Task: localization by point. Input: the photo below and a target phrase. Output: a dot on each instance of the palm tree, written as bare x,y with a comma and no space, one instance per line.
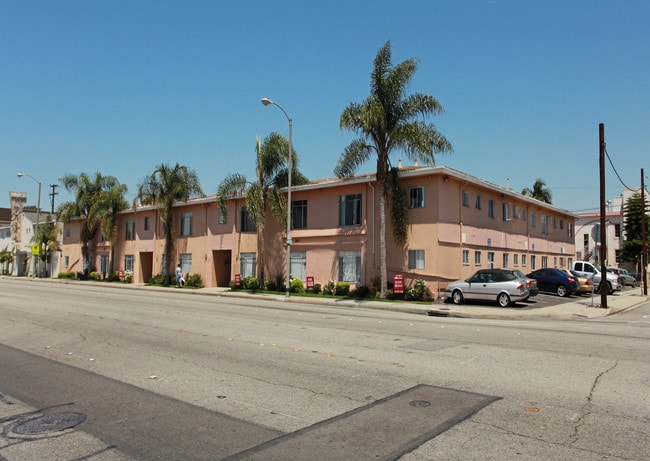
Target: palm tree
539,192
87,205
47,237
111,203
162,189
389,120
271,173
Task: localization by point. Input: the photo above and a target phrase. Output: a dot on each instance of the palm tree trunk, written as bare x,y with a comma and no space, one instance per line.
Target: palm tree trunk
260,253
382,239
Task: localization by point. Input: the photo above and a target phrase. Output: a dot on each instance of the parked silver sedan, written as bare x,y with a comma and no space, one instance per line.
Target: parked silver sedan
500,285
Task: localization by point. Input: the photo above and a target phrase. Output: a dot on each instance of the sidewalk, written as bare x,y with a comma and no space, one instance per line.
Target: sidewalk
577,308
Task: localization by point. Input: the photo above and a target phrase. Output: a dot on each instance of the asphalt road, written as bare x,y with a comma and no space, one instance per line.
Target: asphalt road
175,376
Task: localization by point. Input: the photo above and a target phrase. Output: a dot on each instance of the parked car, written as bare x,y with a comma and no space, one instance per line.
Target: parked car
532,283
587,269
555,281
624,276
585,285
500,285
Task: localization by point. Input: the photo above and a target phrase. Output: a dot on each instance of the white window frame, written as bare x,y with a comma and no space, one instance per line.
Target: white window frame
298,268
465,257
416,259
247,265
349,266
185,259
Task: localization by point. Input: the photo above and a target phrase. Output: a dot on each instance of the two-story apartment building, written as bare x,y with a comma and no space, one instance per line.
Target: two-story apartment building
457,224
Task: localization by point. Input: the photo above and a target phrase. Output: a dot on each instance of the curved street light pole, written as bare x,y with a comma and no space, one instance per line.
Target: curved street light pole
267,102
38,216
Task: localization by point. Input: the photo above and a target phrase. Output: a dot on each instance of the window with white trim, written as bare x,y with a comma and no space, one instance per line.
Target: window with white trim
349,266
247,263
416,259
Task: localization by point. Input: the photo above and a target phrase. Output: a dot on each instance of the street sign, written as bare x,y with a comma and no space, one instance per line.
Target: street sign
36,249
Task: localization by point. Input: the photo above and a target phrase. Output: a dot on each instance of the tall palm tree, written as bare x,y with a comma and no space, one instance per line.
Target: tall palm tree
111,203
271,173
388,120
87,205
165,186
539,192
47,236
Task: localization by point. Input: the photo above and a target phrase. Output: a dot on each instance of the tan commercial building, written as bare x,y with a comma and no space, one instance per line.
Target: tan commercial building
457,224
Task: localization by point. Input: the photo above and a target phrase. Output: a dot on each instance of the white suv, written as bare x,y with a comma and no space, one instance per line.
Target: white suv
593,272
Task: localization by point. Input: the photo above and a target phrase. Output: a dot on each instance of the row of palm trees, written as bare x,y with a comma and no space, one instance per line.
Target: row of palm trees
389,119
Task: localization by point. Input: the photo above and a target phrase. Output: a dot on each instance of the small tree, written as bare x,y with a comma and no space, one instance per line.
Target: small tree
632,247
539,192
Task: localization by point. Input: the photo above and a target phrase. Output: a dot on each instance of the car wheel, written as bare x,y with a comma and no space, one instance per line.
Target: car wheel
561,290
457,297
503,300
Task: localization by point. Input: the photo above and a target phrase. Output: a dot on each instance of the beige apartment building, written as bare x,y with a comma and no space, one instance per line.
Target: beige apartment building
457,224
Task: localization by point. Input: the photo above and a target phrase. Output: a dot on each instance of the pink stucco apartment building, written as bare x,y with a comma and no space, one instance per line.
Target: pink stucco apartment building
457,224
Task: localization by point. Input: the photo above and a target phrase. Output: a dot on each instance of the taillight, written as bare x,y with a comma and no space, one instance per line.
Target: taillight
520,287
571,279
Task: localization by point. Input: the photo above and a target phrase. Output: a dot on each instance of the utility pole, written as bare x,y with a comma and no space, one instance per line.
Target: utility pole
52,194
644,252
603,221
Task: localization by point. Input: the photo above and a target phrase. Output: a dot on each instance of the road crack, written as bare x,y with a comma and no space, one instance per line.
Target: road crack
580,420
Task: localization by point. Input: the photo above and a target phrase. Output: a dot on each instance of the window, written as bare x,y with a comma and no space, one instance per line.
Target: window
247,224
416,259
465,257
506,212
299,215
247,265
299,265
491,208
350,266
128,262
490,261
544,261
477,202
67,231
585,240
561,224
477,258
516,212
617,256
103,265
146,223
524,214
506,260
465,198
350,210
130,229
523,260
533,221
222,218
617,230
554,223
186,224
416,197
544,220
533,262
186,262
66,261
515,259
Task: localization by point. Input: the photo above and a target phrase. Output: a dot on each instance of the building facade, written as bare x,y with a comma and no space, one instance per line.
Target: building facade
457,224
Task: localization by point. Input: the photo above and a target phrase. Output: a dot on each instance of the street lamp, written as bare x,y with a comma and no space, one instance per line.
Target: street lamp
266,102
38,214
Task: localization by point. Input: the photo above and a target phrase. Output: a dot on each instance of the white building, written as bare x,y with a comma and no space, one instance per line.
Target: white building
587,235
17,236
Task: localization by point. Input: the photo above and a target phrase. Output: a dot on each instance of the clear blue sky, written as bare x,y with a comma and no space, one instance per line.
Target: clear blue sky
122,86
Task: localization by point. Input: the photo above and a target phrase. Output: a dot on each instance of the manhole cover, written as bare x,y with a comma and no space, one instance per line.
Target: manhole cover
49,423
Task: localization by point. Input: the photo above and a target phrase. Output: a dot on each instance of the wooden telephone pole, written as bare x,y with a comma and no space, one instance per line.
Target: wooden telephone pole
603,221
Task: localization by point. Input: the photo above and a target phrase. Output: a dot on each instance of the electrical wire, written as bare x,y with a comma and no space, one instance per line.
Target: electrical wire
616,172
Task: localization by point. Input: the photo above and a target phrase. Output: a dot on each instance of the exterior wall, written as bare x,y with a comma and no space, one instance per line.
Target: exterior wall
443,229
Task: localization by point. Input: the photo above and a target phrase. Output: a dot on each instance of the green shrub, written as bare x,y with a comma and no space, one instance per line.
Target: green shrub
361,292
342,289
194,280
251,283
328,289
67,275
157,280
297,286
317,288
418,292
233,285
271,286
